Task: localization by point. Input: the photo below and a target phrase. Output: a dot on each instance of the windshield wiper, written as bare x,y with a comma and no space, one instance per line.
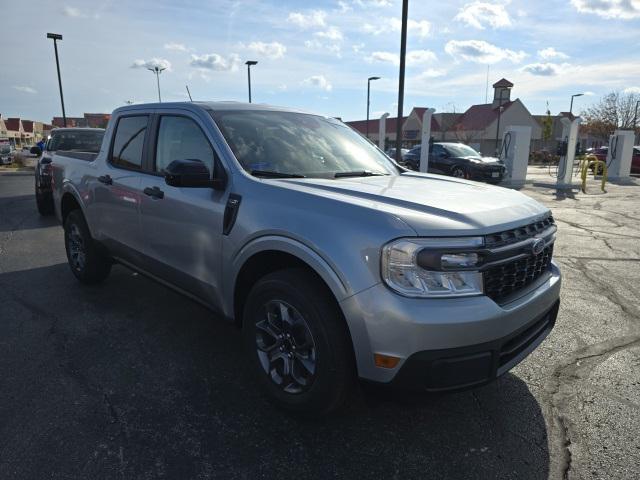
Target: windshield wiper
359,173
273,174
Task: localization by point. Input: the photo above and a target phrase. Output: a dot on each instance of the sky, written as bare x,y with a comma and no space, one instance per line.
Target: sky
315,55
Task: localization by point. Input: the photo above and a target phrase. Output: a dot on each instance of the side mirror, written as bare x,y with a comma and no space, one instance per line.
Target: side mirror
36,151
191,173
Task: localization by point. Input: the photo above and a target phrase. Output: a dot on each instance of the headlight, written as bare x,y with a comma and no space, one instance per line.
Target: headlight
425,267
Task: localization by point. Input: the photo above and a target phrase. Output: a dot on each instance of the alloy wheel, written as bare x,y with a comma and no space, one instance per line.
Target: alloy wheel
76,245
286,348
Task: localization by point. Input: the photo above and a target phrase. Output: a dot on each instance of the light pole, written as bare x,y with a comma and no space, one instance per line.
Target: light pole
500,110
55,37
403,55
368,94
248,63
157,71
635,117
572,97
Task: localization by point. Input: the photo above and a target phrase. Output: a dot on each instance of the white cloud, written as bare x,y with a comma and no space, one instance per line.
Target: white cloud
432,73
422,27
152,63
623,9
175,47
414,57
213,61
632,90
270,50
479,14
344,6
480,51
550,52
315,18
25,89
318,81
332,33
545,69
72,12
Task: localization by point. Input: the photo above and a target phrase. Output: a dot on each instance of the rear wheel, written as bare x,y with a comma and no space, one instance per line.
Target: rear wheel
458,172
87,262
297,343
44,202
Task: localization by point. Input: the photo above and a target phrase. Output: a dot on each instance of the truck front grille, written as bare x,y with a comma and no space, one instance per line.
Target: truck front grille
502,280
515,235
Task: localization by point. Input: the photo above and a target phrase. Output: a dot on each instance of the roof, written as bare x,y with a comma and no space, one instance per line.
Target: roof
479,117
435,126
27,125
12,124
361,125
503,83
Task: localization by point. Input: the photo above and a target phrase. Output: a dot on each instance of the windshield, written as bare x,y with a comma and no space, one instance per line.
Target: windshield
84,141
460,150
5,149
298,144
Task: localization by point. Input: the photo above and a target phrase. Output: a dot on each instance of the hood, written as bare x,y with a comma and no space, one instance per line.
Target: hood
430,204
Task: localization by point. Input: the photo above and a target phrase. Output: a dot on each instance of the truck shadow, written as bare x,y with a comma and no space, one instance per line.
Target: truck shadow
19,213
138,382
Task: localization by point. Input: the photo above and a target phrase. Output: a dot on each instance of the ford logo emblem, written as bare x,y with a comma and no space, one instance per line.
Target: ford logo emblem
538,246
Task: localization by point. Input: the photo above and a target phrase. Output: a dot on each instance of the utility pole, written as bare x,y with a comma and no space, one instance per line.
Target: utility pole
55,37
403,54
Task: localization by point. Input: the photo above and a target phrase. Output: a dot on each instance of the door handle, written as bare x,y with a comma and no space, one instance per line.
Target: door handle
154,192
106,179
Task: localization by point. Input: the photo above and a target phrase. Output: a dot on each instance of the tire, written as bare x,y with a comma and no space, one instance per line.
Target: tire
44,202
319,340
87,262
458,172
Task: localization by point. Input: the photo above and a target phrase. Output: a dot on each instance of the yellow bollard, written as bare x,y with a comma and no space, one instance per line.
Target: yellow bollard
590,161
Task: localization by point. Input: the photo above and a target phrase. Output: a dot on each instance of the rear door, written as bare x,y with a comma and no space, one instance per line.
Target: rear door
182,227
116,188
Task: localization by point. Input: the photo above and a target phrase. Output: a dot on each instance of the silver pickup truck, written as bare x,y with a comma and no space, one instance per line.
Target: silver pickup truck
335,262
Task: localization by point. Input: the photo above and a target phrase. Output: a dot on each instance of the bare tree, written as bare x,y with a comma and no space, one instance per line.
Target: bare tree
614,110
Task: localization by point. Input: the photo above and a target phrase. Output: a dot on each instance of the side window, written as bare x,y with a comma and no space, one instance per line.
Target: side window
128,142
438,151
180,138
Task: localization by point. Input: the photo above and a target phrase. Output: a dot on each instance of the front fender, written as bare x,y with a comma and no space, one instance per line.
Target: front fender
328,272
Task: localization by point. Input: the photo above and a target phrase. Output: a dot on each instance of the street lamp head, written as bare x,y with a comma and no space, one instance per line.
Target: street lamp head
373,78
578,95
54,36
251,62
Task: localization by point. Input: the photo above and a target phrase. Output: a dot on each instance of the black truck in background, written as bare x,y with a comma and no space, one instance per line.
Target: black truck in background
79,143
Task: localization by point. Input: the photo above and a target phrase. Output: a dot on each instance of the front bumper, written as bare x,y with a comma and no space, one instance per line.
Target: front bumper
487,173
447,344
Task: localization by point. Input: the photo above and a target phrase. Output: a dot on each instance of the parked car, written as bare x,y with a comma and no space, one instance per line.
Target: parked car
458,160
82,143
391,153
334,262
6,156
601,154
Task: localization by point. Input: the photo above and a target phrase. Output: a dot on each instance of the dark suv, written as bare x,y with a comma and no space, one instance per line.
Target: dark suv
458,160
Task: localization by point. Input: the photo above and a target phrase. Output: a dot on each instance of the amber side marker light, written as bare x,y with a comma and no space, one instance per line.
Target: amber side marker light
385,361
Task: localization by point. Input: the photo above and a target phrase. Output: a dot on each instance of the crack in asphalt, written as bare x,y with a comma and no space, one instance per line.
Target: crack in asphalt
558,389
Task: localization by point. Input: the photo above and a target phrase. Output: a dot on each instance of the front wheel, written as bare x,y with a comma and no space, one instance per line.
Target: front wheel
297,343
88,263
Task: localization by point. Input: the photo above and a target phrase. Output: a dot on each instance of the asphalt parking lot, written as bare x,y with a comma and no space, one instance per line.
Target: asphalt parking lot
131,380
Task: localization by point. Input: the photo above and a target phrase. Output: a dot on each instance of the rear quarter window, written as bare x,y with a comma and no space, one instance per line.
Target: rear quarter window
128,142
